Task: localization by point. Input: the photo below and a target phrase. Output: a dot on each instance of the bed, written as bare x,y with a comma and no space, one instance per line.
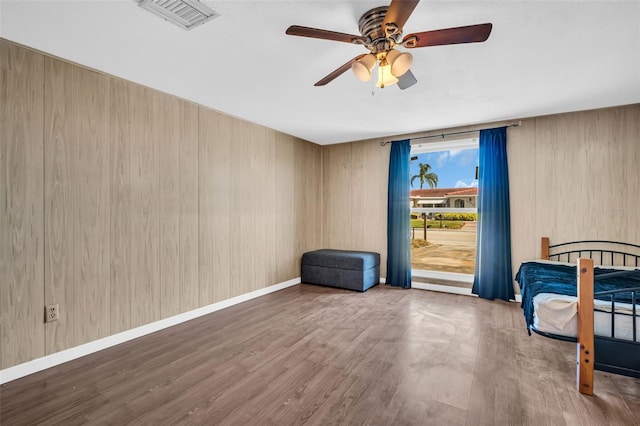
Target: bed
566,297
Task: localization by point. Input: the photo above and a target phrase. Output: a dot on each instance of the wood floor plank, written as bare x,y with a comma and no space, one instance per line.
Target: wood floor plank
311,355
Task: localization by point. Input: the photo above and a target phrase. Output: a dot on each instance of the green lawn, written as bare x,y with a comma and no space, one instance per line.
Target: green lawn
447,224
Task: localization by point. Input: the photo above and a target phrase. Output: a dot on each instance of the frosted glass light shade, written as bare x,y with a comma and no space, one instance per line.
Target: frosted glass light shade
385,78
400,62
363,66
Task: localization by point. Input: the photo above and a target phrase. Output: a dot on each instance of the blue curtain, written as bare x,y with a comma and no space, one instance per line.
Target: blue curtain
493,276
398,216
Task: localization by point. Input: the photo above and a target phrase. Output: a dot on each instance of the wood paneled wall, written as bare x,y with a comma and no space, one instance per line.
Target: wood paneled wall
575,176
125,205
572,176
22,334
355,197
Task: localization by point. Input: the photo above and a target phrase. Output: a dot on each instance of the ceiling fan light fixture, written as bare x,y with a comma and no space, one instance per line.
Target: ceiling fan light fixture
385,77
400,62
381,31
362,67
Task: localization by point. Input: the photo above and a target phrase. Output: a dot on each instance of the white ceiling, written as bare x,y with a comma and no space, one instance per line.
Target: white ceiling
543,57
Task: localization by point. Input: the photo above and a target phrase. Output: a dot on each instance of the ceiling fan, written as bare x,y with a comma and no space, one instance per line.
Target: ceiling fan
381,33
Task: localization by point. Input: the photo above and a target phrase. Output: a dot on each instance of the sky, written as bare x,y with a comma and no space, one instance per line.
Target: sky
455,168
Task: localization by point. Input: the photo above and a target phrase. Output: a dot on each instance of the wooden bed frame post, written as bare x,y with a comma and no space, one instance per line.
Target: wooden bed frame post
544,248
585,349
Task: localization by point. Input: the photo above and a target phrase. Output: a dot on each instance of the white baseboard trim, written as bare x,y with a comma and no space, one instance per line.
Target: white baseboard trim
39,364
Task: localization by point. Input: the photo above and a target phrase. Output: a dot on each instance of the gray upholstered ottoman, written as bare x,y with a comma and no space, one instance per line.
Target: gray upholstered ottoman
352,270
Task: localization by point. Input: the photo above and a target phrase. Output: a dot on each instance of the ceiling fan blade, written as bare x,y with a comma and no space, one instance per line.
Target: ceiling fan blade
406,80
468,34
297,30
398,12
338,72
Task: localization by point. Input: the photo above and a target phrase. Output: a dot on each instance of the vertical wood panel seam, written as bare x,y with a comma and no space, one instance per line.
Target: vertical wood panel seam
44,229
44,189
322,207
111,143
108,161
277,227
535,181
129,213
75,147
352,174
160,229
198,112
198,189
181,138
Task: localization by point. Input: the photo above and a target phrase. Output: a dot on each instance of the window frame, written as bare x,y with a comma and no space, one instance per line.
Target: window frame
426,147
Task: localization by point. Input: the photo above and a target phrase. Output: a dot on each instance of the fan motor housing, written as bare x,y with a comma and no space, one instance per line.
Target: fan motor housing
370,26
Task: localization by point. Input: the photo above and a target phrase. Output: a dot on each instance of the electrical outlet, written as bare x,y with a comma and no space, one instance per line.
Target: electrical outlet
51,313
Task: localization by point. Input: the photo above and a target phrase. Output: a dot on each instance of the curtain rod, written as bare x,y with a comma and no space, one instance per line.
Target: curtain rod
443,135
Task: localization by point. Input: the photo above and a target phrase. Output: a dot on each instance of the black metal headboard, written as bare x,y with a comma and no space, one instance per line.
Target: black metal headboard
601,251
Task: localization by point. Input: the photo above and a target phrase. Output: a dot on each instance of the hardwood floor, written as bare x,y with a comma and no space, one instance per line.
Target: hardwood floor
314,355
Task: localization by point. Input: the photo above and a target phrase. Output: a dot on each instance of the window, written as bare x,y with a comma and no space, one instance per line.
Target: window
444,198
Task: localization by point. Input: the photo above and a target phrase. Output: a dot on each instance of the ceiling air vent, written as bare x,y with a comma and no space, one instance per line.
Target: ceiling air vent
184,13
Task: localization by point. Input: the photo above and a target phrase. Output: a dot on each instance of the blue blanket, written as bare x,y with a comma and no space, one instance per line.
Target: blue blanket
536,277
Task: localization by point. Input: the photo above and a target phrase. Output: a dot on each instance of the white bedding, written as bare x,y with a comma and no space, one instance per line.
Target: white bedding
558,314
